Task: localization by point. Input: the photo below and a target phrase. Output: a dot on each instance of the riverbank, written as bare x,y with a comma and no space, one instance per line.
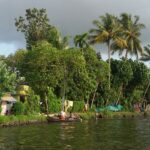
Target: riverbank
112,115
12,120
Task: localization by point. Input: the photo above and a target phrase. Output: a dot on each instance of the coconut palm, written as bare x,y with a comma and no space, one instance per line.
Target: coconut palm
131,33
146,54
81,40
146,57
107,31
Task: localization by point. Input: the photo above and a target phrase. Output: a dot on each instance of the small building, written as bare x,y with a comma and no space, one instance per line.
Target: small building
6,104
22,92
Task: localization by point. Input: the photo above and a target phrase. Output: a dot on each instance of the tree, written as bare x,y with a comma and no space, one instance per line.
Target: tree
75,76
139,80
7,79
2,57
131,31
81,40
146,57
65,71
36,27
97,71
121,75
41,68
146,54
14,60
140,74
107,31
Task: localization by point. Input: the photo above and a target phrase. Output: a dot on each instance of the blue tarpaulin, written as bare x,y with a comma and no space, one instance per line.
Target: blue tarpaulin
110,108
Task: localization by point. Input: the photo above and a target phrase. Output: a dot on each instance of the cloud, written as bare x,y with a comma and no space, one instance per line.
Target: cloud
70,16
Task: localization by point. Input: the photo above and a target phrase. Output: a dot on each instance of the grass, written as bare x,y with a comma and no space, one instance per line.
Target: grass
110,115
21,119
86,115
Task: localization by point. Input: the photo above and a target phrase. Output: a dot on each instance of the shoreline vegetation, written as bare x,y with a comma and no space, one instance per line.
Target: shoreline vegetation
50,71
12,120
20,120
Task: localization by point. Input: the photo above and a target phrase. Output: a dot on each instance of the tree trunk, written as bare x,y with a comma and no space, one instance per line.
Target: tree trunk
137,57
121,90
109,69
126,55
64,90
46,104
94,95
146,90
63,103
93,99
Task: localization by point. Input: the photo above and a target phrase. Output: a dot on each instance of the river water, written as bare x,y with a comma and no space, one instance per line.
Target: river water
124,134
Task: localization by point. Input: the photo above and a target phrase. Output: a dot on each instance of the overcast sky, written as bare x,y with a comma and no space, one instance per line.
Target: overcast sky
70,16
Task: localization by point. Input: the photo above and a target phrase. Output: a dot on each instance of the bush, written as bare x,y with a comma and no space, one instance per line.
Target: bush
136,96
18,108
93,109
32,103
87,115
54,104
107,114
78,106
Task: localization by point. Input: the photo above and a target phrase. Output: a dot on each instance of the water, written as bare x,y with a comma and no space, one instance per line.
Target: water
125,134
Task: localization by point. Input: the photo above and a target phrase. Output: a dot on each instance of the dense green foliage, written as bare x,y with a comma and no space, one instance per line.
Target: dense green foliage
56,72
18,108
30,106
36,27
32,103
131,31
54,104
78,106
8,79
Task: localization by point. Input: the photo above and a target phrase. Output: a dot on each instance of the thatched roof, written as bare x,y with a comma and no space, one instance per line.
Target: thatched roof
8,98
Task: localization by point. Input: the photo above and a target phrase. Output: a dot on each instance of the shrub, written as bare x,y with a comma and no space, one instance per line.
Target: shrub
18,108
93,109
136,96
107,114
54,104
78,106
87,115
32,103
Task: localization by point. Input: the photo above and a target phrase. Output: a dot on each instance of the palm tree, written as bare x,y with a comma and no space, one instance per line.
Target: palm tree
81,40
146,57
64,42
107,31
146,54
131,33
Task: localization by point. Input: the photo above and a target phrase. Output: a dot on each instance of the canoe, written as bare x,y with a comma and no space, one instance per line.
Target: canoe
57,119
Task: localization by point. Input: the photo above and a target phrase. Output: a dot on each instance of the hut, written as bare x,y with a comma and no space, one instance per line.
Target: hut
22,92
6,104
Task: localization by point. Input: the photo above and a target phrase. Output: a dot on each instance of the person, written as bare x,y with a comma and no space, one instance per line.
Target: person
62,115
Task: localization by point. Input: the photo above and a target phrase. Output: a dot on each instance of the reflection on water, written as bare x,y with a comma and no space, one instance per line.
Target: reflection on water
123,134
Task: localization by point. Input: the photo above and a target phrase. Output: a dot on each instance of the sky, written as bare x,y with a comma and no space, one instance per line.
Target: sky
71,17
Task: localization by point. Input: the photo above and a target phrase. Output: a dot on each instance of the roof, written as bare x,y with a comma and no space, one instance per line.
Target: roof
23,90
8,98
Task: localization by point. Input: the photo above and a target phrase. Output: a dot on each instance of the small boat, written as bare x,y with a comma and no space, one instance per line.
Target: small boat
68,119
